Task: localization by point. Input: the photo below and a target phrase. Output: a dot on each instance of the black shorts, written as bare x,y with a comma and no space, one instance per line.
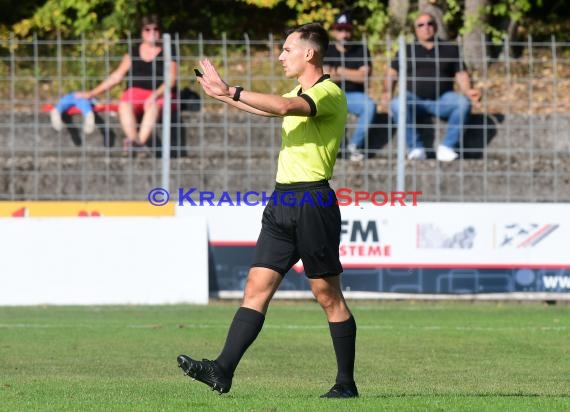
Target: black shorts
301,220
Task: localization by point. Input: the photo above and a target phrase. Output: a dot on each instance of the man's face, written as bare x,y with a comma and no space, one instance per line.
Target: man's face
342,34
425,27
293,57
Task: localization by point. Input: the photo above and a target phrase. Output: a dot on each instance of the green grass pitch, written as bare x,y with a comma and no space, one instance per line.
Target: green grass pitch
410,357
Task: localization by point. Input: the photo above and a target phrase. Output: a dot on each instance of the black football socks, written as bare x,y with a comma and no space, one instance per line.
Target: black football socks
343,335
243,331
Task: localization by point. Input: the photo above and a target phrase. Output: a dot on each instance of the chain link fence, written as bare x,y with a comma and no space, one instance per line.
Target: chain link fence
515,148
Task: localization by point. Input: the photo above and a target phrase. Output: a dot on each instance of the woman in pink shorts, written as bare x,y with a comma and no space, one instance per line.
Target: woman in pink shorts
143,97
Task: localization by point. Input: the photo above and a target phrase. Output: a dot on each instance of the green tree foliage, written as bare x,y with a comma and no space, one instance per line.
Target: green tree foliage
115,18
513,10
263,3
73,18
370,16
257,18
374,17
304,11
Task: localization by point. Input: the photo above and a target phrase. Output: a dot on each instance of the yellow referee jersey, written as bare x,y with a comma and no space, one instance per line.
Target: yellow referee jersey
309,145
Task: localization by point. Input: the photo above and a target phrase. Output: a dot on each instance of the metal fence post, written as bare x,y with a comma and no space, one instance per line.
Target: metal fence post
166,112
401,166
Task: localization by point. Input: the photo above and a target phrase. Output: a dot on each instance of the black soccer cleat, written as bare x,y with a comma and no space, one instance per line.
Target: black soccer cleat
342,390
205,371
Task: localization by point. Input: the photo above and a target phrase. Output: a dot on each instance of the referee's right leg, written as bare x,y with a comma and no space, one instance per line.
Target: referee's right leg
247,323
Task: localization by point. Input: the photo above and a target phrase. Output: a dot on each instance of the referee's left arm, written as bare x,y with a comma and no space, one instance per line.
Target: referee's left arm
275,104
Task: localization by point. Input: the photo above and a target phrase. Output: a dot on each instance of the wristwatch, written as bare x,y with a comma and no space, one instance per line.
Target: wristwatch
239,89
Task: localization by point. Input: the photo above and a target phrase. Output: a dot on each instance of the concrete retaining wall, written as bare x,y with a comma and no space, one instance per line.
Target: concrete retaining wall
507,158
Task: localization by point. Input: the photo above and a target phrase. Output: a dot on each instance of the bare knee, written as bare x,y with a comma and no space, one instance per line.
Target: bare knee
125,108
259,289
255,297
328,299
329,295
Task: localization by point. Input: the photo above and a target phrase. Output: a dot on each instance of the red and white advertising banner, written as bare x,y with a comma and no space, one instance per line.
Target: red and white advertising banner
481,235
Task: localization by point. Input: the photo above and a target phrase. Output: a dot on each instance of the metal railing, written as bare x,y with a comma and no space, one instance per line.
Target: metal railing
516,148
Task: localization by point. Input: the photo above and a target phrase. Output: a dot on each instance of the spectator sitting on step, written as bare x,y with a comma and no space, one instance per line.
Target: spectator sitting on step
432,67
350,66
144,65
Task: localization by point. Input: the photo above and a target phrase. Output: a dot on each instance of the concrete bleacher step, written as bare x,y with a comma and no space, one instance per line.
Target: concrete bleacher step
517,158
492,179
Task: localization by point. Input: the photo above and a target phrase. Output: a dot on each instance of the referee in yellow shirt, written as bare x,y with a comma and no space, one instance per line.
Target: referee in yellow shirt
302,219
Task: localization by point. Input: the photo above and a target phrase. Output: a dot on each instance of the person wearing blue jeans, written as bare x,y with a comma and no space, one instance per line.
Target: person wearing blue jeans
451,106
360,104
72,100
432,69
350,66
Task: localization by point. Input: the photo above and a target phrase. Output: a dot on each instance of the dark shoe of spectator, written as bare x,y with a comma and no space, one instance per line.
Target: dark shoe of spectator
129,145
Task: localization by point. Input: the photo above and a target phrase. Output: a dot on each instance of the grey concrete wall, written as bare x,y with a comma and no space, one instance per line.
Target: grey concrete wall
507,158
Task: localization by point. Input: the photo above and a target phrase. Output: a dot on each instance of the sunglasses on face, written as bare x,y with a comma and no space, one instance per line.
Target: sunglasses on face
429,23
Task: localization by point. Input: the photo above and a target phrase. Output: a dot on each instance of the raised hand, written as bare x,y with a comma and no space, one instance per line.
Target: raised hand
212,82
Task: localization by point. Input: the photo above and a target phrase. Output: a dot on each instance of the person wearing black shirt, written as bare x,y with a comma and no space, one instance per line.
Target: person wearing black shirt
432,69
350,66
143,97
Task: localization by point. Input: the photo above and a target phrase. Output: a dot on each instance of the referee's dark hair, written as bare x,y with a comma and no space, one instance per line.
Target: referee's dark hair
314,33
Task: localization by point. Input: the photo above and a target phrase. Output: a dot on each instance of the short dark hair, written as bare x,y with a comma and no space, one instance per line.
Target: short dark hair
315,33
150,19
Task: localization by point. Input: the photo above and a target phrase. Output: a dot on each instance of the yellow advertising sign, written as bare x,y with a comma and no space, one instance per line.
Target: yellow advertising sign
83,209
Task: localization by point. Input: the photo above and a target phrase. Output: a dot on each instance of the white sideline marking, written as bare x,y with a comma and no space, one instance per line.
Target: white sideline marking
299,327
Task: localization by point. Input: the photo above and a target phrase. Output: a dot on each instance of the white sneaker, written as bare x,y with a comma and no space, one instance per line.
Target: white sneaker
419,153
446,154
356,156
89,123
56,121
